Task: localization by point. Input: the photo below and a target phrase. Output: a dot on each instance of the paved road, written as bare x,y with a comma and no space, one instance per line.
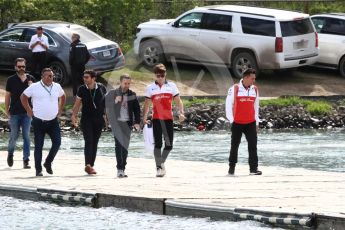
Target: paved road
307,81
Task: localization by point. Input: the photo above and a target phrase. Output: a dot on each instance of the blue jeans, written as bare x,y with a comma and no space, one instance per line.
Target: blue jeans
52,128
16,122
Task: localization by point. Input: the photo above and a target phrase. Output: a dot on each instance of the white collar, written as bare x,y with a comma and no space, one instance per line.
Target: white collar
96,87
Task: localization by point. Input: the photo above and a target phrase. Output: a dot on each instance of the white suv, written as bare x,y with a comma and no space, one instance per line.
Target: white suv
331,29
237,36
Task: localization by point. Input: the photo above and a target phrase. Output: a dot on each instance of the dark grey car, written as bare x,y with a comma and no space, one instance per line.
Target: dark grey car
106,55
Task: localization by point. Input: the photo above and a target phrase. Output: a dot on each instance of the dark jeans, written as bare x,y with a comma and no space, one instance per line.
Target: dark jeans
52,128
77,77
38,63
92,130
165,128
122,135
249,131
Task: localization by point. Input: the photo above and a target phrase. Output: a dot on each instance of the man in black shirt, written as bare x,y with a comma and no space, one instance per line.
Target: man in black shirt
92,96
15,86
78,57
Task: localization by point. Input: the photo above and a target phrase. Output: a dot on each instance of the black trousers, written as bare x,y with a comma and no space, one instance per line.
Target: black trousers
41,128
250,133
77,77
122,135
165,128
92,130
38,63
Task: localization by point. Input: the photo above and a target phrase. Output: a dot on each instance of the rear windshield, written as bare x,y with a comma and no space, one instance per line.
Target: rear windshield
296,27
85,34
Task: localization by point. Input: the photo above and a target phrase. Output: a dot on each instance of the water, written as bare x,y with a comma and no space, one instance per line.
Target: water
312,149
21,214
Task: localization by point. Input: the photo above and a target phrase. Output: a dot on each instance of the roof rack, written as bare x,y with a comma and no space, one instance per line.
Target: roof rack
241,12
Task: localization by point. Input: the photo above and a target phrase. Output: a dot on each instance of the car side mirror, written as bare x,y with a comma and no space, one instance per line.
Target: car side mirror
175,24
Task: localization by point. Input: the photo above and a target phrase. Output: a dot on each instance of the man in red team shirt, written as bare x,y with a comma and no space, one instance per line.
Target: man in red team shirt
242,110
161,93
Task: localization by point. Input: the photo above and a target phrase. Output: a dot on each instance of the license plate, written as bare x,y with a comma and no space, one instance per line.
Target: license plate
106,53
300,44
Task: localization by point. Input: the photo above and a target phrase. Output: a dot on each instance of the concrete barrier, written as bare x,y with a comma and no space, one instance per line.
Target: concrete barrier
178,208
68,197
141,204
25,193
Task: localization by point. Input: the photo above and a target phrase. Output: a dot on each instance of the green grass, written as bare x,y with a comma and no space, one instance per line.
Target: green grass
2,107
313,107
68,107
319,108
206,101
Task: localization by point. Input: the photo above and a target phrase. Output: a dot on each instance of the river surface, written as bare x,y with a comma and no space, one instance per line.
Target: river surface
311,149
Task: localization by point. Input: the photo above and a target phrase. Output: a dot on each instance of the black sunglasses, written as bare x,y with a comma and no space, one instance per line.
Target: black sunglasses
21,66
160,75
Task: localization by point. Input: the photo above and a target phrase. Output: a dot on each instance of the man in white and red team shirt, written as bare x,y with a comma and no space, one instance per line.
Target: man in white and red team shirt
161,93
242,110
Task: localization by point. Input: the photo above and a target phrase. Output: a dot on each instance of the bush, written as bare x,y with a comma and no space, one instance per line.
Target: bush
315,108
319,108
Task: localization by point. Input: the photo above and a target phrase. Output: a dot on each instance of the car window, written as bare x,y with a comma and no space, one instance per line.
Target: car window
319,23
258,26
192,20
217,22
85,34
28,33
333,26
14,35
296,27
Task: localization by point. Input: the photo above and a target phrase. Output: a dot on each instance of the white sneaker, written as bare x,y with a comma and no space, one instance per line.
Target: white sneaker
119,173
163,169
159,172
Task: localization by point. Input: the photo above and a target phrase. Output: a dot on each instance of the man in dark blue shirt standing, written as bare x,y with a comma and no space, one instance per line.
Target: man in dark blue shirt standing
78,57
15,86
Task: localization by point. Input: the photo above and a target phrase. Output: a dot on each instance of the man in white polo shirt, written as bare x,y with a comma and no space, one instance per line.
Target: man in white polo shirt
39,46
48,100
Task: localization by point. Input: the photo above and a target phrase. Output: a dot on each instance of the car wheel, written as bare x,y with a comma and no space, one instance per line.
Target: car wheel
151,53
241,62
342,67
60,73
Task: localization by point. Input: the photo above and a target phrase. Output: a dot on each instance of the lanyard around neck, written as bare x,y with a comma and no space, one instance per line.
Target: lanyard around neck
45,87
93,97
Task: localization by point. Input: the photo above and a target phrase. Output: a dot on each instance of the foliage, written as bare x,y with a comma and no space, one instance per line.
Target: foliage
204,101
313,107
319,108
284,101
117,19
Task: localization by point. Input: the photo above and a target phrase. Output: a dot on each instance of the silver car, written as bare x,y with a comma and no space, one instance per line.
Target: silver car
106,55
235,36
331,29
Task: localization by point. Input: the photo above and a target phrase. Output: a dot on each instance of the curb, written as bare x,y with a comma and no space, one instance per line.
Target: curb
177,208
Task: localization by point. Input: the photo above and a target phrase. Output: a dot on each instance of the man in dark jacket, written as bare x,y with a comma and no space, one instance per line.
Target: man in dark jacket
78,57
123,111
